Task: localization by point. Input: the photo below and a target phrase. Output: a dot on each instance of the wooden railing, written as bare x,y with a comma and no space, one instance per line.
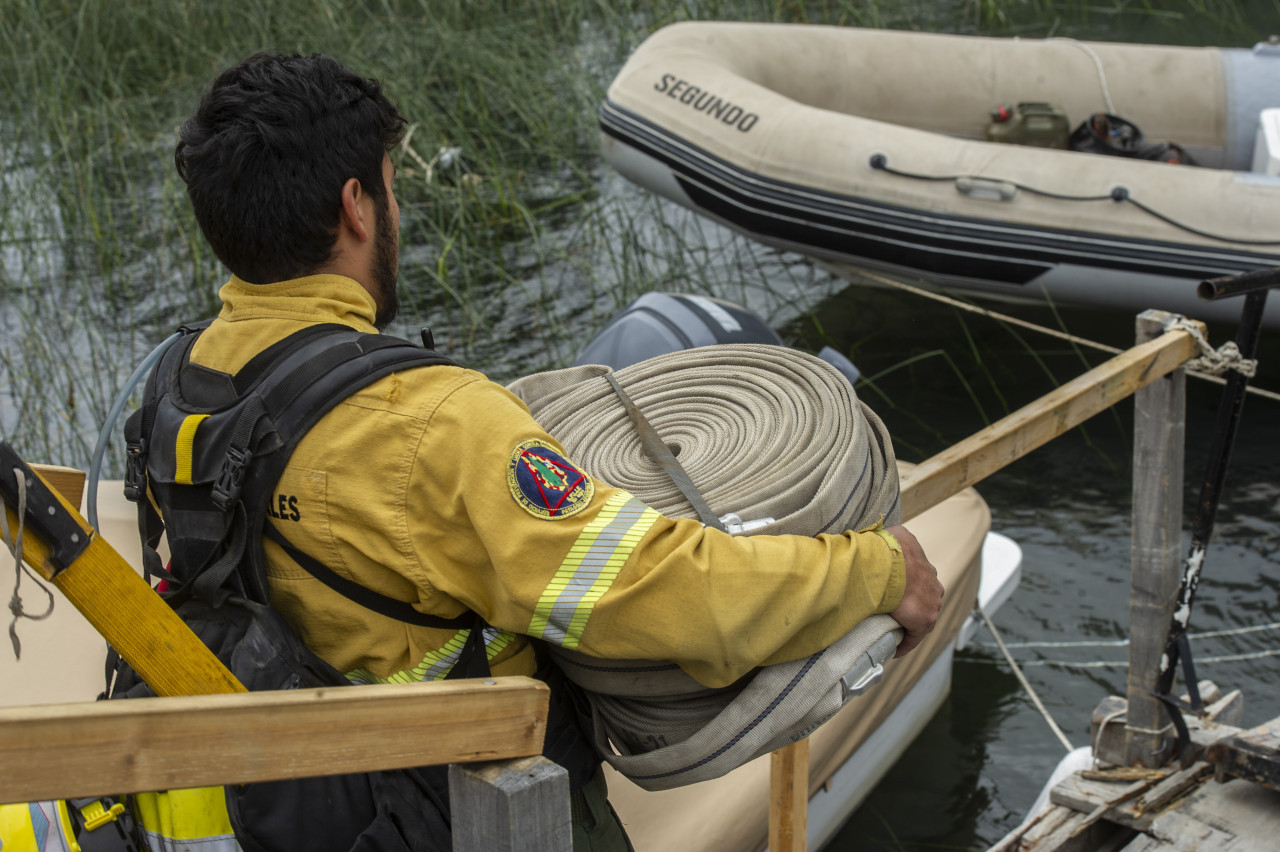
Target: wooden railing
1156,356
77,749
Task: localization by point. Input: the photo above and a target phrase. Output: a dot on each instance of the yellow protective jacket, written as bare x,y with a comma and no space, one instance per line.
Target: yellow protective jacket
410,487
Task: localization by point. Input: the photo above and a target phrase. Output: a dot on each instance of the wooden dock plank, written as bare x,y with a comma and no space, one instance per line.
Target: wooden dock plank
1247,813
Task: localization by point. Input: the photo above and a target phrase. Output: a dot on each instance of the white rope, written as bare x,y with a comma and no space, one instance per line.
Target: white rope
1026,684
1097,63
1107,720
1213,361
15,547
1112,664
1121,643
1051,332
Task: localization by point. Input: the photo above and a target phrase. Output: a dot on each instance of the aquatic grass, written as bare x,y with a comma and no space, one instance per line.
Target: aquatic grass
513,266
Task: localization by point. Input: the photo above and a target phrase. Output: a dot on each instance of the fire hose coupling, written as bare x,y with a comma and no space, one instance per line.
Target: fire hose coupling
734,525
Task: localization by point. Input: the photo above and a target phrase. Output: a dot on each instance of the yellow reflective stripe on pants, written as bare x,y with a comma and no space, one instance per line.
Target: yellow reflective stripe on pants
589,569
193,820
436,665
33,827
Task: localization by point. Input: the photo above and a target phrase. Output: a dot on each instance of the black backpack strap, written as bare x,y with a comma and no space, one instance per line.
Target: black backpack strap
367,598
137,434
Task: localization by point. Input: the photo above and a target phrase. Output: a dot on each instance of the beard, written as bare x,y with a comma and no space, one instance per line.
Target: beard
386,268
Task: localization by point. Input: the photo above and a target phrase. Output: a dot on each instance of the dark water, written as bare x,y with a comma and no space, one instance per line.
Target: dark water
979,764
982,760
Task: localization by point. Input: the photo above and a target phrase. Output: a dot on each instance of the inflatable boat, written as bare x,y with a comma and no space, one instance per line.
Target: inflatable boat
868,149
62,657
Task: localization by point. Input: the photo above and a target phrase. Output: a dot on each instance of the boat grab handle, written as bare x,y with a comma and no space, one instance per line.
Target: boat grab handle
986,189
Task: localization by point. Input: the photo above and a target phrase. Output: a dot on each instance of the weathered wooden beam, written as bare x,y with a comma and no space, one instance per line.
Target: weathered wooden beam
789,797
1136,805
510,806
67,481
1159,444
1059,829
96,748
1253,754
1011,438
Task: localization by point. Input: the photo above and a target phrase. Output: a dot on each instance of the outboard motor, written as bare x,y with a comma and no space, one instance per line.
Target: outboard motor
658,323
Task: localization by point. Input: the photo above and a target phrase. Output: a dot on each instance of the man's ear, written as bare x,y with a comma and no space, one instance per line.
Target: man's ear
354,205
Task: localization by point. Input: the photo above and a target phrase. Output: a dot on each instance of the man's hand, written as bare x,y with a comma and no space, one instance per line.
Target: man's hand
922,599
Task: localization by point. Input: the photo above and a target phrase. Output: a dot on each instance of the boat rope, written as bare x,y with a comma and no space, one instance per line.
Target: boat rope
1118,713
1113,664
1097,63
1118,194
14,543
1026,684
1121,643
1213,361
1051,332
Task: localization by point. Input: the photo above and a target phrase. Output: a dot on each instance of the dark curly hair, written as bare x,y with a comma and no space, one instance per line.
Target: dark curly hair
267,152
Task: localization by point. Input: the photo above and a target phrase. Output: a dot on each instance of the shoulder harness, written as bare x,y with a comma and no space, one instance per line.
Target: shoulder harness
210,447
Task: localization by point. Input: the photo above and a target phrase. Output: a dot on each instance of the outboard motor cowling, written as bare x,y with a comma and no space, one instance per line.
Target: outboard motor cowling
658,323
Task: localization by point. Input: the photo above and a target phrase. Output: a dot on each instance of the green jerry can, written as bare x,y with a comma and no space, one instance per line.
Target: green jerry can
1030,123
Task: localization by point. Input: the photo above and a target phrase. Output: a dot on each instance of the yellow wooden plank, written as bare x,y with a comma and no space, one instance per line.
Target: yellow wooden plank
789,797
1011,438
96,748
133,618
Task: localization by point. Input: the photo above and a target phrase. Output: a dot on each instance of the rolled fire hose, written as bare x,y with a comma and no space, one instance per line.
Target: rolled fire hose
727,413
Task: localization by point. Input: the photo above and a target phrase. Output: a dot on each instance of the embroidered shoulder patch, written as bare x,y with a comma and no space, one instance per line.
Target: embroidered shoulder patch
545,484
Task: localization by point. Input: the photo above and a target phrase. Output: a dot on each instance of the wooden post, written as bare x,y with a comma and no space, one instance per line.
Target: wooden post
789,798
510,805
1156,552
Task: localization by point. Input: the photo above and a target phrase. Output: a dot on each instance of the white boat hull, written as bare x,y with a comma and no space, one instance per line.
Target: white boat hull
864,147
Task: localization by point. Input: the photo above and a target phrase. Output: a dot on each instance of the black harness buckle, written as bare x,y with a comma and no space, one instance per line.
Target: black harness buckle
226,489
135,471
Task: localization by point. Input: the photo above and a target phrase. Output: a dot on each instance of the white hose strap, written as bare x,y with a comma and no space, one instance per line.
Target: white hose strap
764,432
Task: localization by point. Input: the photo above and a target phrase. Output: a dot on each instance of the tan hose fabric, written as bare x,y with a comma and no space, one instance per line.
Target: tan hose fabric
764,432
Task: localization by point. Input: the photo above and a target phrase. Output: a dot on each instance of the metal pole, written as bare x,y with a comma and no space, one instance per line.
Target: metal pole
1207,507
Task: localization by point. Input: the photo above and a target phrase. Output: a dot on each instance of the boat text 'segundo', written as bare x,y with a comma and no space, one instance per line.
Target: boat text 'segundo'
869,147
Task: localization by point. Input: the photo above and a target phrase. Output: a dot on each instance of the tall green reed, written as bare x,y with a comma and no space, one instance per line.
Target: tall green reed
513,263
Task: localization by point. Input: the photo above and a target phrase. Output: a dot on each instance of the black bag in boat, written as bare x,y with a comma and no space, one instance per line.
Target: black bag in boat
1104,133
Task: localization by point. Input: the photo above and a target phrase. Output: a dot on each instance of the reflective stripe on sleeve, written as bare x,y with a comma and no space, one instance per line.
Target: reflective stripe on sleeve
436,665
590,568
184,450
